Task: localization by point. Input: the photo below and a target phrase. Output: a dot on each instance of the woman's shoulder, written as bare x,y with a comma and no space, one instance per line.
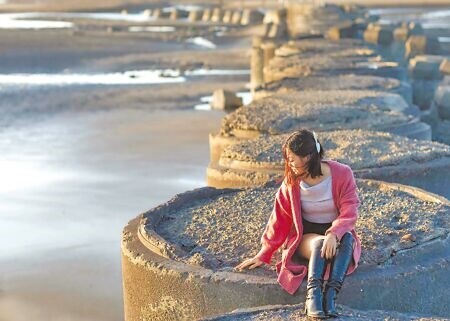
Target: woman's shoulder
339,168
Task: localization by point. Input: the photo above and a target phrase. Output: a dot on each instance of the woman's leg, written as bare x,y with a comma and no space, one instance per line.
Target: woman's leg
305,247
310,248
339,266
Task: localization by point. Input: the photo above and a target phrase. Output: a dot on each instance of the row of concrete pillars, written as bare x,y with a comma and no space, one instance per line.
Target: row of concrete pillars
216,15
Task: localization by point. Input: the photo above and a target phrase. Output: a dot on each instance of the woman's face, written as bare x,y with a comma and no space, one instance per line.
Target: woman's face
297,163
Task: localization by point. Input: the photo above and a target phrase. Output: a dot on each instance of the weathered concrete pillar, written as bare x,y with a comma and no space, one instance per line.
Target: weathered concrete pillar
257,67
442,100
402,32
206,17
426,75
236,17
251,17
217,15
269,48
371,154
174,14
225,100
445,67
147,13
275,16
157,13
194,15
345,29
377,34
257,41
161,14
277,31
421,45
228,14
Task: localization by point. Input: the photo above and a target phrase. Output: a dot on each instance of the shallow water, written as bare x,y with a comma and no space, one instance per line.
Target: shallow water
429,18
132,77
69,185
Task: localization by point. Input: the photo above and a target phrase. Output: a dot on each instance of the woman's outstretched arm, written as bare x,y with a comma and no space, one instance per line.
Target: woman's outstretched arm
276,230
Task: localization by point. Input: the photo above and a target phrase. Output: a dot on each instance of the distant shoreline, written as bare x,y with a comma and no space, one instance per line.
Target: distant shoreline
117,5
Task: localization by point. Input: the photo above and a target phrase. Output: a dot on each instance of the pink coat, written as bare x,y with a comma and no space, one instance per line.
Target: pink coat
285,225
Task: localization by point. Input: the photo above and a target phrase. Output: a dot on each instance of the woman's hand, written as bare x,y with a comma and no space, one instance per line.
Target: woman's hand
250,263
329,246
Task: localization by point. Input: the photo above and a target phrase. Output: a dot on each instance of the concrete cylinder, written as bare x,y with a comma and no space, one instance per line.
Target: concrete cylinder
269,51
169,275
296,66
236,17
445,67
217,15
251,17
228,14
257,68
442,100
345,29
337,82
157,13
225,100
147,12
275,16
174,14
426,67
257,41
277,31
422,45
195,15
207,13
379,35
371,154
426,76
321,110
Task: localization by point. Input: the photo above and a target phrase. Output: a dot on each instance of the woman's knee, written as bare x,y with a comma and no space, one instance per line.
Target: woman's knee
316,243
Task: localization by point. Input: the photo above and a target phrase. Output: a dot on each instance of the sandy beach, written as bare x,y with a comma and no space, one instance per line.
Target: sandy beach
80,159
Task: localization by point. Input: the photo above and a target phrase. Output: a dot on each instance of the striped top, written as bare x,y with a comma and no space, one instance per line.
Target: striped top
317,202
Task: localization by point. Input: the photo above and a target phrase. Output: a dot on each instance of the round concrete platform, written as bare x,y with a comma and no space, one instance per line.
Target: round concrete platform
178,257
296,313
377,155
299,66
321,111
337,82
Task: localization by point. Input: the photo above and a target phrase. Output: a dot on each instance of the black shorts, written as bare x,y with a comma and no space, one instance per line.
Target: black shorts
317,228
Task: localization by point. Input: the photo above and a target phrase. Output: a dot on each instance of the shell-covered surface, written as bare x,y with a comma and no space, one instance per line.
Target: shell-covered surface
337,82
221,231
320,110
337,63
344,47
360,149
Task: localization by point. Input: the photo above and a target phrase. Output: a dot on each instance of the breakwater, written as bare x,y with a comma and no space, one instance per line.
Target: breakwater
178,257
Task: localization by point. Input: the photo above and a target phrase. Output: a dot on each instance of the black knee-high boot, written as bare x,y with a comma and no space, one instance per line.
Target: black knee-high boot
339,266
316,271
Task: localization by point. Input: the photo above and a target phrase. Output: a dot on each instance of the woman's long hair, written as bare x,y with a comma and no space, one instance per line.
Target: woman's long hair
302,143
